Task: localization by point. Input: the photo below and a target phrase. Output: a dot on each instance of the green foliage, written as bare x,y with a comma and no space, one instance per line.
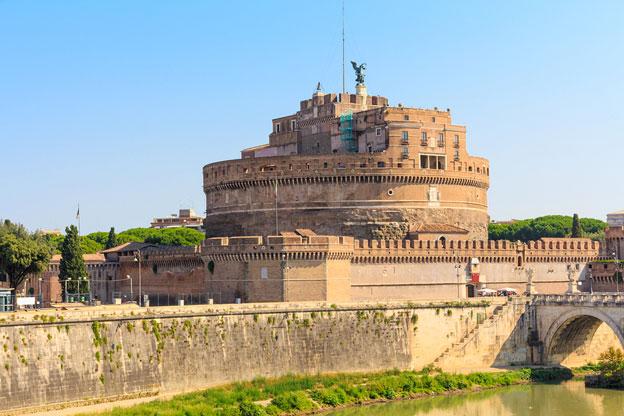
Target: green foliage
576,226
89,246
293,401
334,396
303,394
547,226
111,239
21,252
98,237
178,236
611,362
72,264
100,240
251,409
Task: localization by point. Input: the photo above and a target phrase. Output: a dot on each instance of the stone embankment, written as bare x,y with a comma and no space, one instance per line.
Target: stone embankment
109,353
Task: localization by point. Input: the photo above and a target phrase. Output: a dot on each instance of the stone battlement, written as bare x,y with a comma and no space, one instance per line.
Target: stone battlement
278,248
344,168
547,250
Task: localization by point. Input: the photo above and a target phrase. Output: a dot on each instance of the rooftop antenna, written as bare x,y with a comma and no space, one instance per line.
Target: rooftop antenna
343,47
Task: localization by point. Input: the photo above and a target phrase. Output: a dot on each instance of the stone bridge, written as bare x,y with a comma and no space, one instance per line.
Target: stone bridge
574,328
569,330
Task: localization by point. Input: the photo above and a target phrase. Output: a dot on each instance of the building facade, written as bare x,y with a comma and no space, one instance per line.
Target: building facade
185,218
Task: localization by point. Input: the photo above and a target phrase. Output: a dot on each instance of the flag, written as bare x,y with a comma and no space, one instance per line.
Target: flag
78,212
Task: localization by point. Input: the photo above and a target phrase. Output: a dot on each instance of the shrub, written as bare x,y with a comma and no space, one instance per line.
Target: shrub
330,396
251,409
611,362
293,401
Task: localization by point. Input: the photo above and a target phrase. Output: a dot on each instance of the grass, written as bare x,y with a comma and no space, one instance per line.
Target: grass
291,395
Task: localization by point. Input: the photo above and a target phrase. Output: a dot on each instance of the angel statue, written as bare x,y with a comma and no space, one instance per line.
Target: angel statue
360,71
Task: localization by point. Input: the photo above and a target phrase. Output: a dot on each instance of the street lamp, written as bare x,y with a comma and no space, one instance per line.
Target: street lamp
66,289
88,282
137,258
130,278
40,294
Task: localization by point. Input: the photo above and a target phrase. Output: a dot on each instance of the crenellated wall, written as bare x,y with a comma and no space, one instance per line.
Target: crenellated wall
371,270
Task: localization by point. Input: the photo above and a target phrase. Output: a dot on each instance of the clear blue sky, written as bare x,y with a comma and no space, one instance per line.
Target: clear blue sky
118,104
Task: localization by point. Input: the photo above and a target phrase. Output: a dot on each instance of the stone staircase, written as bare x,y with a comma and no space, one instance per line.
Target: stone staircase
479,348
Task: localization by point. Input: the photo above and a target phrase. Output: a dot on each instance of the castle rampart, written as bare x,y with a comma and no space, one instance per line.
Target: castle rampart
368,270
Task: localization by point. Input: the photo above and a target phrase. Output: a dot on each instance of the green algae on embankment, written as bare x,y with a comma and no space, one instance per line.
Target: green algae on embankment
298,395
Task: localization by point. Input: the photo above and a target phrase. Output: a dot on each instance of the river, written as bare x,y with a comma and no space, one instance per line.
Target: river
569,398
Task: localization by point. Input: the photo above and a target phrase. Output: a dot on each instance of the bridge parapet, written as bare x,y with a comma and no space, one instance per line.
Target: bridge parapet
579,299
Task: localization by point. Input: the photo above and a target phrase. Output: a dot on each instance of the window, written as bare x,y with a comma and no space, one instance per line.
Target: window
406,117
441,140
433,194
423,139
433,119
378,131
405,152
456,140
264,273
324,165
405,136
433,162
293,125
381,164
276,127
456,155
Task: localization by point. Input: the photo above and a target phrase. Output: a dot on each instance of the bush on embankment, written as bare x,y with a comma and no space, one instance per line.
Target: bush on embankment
610,371
301,394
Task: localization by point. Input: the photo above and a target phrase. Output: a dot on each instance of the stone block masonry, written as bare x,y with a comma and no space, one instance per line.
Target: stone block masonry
108,354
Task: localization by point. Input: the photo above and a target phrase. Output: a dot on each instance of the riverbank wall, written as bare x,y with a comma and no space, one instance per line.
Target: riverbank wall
117,352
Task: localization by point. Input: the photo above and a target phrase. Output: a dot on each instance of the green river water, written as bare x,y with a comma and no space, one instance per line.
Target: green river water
569,398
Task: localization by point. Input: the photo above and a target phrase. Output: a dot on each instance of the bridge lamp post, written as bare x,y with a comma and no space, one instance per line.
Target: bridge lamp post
617,269
459,283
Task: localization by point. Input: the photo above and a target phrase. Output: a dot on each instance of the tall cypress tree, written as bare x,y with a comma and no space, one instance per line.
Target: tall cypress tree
112,239
576,226
72,264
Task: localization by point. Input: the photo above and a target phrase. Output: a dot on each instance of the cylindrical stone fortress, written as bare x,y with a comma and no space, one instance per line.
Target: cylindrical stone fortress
365,196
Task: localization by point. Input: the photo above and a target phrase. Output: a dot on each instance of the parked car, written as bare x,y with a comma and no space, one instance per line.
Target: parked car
507,291
486,292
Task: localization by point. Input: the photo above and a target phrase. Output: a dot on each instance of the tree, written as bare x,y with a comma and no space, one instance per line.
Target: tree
72,265
576,227
547,226
611,362
177,236
21,253
112,239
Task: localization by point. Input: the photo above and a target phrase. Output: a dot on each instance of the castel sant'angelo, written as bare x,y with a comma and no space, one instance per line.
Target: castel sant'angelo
354,199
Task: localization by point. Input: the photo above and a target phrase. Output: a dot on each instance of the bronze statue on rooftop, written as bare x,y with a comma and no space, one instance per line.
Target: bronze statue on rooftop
360,72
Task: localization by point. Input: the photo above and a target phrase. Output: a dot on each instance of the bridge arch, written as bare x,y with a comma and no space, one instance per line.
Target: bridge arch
571,334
